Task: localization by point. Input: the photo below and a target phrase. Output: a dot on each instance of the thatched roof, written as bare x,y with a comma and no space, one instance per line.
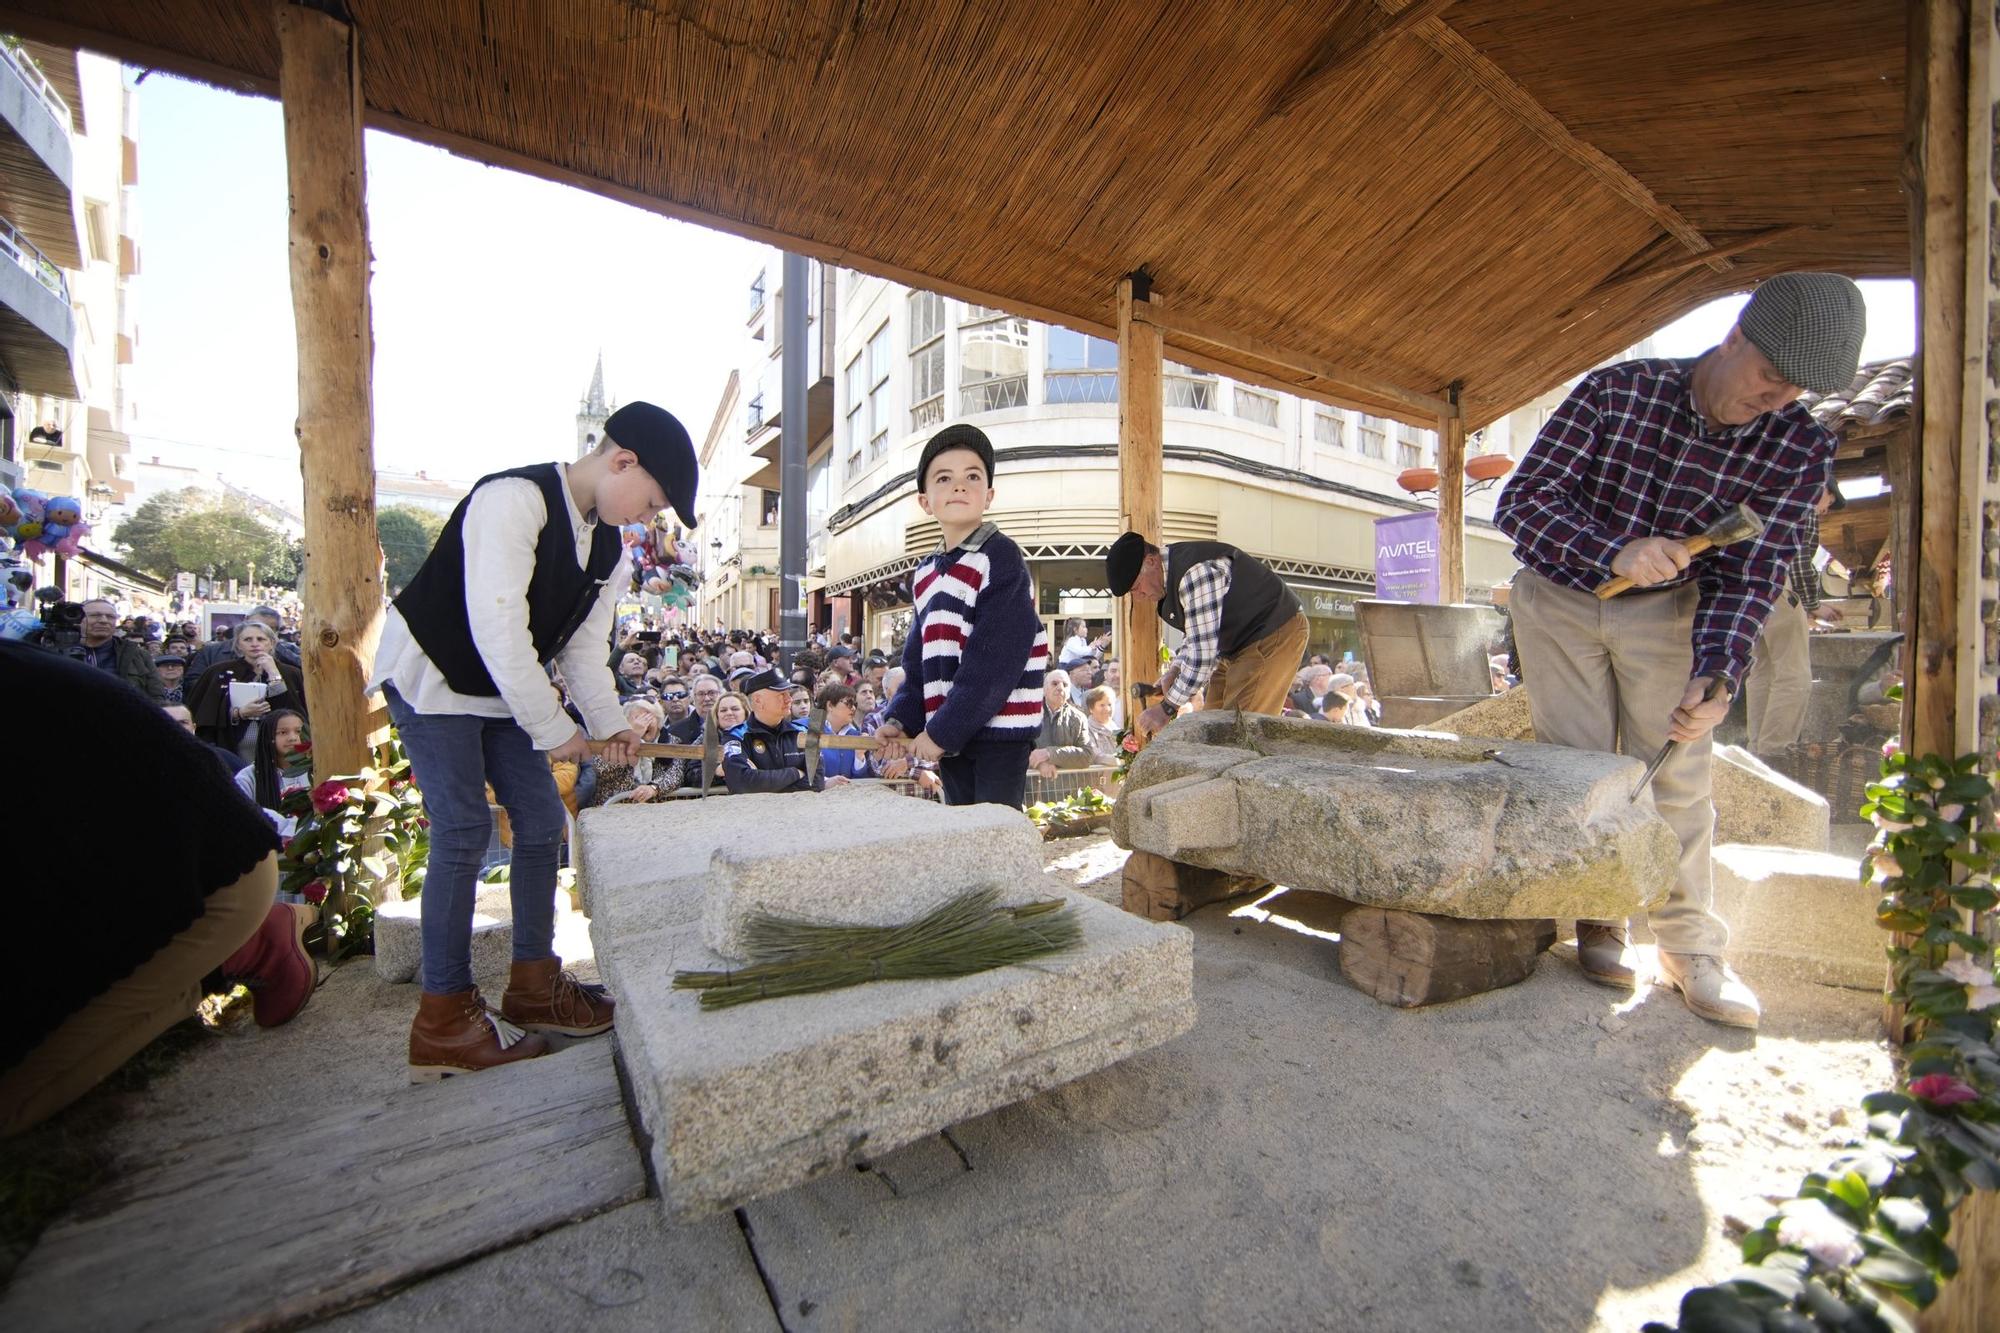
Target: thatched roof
1416,193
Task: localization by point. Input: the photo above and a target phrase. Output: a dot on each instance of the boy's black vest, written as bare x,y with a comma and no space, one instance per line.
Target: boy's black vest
559,594
1258,603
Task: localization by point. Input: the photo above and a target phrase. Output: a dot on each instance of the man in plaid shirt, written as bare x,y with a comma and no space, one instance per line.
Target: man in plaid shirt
1642,456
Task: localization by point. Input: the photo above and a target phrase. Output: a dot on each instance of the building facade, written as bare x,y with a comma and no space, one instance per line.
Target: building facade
69,261
420,490
1291,481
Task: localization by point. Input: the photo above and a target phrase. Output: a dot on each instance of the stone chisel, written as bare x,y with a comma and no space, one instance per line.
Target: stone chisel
1735,526
1646,778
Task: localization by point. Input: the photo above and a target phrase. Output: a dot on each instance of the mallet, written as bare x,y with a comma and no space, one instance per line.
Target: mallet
1737,525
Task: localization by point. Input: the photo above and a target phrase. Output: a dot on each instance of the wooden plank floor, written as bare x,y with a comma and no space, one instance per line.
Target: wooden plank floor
270,1227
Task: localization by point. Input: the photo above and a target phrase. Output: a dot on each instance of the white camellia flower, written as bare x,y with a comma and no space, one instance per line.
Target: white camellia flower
1886,824
1982,997
1811,1227
1968,973
1951,812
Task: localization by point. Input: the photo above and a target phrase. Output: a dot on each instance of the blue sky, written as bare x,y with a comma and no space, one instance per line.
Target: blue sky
493,293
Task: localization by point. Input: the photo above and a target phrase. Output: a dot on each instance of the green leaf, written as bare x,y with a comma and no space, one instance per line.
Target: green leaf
1877,1102
1718,1310
1853,1191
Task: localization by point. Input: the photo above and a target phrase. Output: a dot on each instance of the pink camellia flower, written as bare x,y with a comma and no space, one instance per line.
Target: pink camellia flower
1891,748
329,796
1130,745
1943,1090
1968,973
1951,812
314,892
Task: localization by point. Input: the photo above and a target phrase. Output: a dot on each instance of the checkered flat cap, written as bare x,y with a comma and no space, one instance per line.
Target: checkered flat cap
1810,325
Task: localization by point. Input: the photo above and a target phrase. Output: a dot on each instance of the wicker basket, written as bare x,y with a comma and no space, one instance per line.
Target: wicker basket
1838,770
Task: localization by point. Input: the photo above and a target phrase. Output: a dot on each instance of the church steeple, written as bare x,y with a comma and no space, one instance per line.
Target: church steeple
592,410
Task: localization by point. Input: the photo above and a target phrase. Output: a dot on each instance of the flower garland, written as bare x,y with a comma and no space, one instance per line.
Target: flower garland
1871,1231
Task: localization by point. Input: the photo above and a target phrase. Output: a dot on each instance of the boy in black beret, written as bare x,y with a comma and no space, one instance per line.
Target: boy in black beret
971,698
526,572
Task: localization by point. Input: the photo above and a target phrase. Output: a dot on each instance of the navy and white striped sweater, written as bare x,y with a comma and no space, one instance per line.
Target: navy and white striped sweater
973,663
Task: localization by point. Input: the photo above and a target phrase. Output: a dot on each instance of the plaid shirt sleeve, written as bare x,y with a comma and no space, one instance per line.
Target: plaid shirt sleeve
1202,590
1805,575
1536,509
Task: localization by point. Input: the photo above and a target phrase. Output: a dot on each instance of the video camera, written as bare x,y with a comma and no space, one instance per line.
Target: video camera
62,625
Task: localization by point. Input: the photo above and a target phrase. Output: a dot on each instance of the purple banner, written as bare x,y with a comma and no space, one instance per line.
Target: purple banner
1406,558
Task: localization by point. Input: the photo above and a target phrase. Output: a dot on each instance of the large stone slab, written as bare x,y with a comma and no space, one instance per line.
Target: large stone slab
1756,804
1502,716
399,935
1799,914
845,873
738,1103
1412,821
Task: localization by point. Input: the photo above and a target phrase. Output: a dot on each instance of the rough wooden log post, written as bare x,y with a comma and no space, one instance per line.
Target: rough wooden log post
1451,504
1141,461
1163,890
1412,958
320,87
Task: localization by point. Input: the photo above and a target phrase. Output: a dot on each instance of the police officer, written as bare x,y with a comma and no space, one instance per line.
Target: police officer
767,752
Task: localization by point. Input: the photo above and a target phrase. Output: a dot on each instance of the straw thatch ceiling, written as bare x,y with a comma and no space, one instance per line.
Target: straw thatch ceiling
1416,193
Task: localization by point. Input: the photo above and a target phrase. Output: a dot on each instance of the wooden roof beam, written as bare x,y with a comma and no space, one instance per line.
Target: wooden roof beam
1348,47
1334,382
1511,97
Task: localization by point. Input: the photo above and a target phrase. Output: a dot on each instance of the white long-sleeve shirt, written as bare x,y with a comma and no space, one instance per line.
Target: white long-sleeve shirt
503,521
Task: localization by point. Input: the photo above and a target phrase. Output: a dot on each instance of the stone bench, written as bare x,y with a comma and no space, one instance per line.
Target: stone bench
1799,914
399,935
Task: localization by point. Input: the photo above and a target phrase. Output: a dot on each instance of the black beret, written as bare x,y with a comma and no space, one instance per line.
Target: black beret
1122,562
664,450
959,436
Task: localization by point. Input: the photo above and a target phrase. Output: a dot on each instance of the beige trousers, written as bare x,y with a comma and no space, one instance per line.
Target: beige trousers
1607,675
1779,685
1258,678
161,991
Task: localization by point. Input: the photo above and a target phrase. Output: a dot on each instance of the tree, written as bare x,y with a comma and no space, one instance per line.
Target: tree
407,534
195,531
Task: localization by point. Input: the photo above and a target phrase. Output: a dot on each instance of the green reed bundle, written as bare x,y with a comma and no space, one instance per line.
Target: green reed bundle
971,933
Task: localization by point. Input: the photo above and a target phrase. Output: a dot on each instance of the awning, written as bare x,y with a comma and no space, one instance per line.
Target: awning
120,571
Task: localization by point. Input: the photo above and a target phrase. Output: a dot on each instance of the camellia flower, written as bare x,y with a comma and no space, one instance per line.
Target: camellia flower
1982,997
314,892
1886,865
1130,745
1812,1227
1891,748
1943,1090
1968,973
304,747
329,796
1951,812
1882,821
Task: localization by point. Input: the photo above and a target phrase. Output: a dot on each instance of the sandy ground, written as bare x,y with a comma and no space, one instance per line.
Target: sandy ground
1552,1156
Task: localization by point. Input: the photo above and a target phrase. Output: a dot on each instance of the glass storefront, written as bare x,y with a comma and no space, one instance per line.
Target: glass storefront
1330,624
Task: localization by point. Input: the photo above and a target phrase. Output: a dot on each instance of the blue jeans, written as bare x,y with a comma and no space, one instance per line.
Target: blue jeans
452,757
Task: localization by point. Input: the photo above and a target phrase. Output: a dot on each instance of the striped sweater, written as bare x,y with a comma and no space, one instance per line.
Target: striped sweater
973,662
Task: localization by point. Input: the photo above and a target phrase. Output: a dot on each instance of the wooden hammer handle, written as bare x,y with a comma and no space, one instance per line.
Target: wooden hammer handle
1695,546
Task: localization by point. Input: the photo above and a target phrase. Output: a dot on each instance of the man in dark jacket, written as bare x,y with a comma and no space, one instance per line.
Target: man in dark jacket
767,753
128,659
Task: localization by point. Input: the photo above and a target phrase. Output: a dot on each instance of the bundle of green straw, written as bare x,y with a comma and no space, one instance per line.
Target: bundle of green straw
971,933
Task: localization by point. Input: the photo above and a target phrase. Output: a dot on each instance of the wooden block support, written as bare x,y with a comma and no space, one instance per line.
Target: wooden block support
320,88
1163,890
1410,959
1451,506
1141,463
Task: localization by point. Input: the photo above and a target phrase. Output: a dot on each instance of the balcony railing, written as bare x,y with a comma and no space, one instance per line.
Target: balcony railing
15,246
38,83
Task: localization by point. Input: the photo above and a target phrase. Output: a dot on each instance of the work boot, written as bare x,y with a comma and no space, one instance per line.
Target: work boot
542,997
455,1033
274,964
1710,988
1605,954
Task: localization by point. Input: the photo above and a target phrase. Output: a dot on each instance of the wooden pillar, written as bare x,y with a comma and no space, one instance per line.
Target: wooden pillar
1950,704
1141,464
319,83
1451,504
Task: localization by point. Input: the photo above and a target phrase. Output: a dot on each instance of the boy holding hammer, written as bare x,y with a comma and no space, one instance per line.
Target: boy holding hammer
1642,456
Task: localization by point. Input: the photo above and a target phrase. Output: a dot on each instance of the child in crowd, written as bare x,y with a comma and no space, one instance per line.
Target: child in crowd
971,698
526,571
267,781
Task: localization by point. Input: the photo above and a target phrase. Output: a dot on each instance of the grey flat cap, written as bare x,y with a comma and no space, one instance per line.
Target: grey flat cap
1810,325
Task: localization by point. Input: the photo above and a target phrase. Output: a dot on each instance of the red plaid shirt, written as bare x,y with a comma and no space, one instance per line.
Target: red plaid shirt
1627,455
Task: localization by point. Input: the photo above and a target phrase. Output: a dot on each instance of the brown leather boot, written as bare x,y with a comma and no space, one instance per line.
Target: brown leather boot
274,964
455,1033
541,997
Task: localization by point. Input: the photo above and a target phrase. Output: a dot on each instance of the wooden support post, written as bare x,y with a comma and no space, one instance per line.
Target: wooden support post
1410,959
1141,463
1451,503
320,88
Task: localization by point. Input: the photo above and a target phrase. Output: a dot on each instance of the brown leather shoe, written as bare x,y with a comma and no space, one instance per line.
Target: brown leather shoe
455,1033
1605,954
541,997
